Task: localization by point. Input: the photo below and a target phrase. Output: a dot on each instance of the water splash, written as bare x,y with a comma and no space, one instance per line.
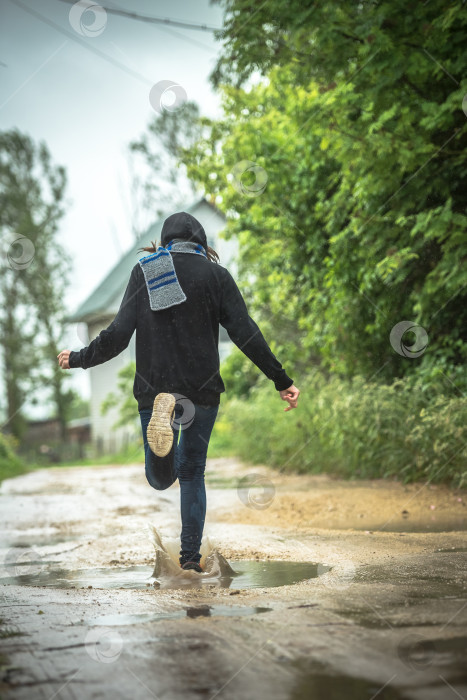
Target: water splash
167,567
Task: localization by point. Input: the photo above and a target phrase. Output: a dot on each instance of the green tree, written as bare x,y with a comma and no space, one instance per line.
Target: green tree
34,274
158,173
353,217
76,406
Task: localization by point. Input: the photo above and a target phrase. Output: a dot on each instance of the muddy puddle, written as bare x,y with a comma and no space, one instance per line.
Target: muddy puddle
30,569
247,574
256,574
218,571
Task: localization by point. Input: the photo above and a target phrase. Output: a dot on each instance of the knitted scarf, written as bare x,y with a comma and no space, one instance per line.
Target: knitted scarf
161,279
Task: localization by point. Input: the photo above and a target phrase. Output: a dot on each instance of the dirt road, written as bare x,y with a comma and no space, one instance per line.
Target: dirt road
381,612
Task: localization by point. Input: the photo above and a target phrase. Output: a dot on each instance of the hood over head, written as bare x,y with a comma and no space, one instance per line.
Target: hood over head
185,226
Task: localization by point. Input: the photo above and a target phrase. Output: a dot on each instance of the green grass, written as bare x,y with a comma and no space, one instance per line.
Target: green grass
10,469
352,429
221,443
10,464
130,454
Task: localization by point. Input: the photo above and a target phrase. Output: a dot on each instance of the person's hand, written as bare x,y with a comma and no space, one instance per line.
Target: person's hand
64,359
291,395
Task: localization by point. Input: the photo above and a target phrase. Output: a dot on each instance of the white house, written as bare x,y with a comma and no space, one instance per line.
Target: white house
99,309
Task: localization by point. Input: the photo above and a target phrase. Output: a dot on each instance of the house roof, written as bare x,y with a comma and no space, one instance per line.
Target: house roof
99,302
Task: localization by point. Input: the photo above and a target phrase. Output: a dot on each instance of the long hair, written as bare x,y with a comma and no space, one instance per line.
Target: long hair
211,253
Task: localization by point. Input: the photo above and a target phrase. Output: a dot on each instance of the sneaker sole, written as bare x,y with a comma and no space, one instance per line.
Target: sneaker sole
159,432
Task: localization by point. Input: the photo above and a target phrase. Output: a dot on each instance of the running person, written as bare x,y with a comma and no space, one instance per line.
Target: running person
175,302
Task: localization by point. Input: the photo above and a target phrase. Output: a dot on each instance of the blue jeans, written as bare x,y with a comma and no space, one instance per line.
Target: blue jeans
191,440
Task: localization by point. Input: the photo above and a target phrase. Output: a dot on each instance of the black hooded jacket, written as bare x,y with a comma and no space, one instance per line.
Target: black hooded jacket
177,348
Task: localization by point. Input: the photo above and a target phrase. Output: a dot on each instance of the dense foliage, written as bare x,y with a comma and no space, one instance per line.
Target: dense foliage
351,213
351,428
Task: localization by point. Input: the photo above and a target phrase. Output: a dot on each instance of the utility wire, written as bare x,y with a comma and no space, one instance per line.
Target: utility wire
93,49
74,37
154,20
164,23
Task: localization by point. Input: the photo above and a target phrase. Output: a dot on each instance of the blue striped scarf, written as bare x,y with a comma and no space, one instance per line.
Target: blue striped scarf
161,279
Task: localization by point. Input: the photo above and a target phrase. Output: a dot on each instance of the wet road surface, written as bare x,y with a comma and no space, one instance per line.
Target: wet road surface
322,604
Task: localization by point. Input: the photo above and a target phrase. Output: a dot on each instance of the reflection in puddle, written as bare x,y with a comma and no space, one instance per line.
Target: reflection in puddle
255,574
247,574
193,612
113,577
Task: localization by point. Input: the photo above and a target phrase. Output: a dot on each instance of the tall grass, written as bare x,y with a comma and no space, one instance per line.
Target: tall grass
351,428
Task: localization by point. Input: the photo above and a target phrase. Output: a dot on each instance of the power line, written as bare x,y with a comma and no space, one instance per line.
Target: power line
93,49
154,20
74,37
188,39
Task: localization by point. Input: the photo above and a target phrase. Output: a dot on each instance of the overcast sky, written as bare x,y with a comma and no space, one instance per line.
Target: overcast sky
58,86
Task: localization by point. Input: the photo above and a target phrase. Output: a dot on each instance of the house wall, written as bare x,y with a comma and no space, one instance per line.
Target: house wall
104,380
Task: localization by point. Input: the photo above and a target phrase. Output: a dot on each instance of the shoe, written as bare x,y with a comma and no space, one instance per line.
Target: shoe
159,432
192,565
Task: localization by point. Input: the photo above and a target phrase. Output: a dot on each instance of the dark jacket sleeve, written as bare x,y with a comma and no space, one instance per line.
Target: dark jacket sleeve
112,340
246,335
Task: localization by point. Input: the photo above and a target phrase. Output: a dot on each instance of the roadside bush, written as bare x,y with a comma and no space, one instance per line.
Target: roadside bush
354,429
10,464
